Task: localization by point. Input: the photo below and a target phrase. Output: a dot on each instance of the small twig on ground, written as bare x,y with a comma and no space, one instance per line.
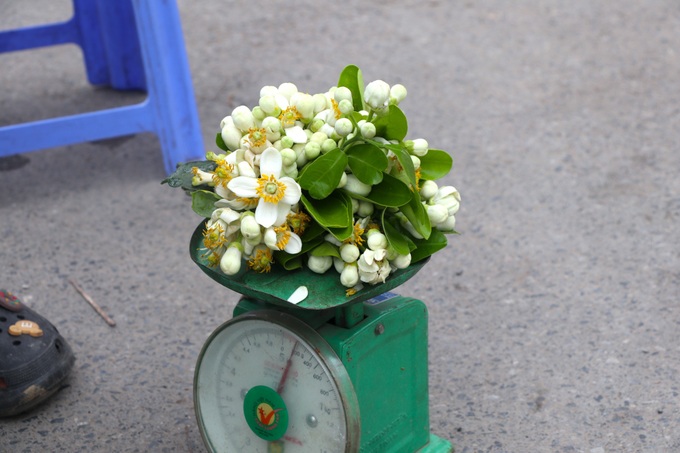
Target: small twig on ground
94,305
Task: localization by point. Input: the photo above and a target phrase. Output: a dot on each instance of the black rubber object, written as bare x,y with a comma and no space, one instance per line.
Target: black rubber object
32,368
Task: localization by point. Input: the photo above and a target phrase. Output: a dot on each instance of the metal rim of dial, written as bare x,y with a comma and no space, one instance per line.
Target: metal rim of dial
275,350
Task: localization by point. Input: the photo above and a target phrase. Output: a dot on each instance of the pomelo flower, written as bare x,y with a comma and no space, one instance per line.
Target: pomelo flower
276,194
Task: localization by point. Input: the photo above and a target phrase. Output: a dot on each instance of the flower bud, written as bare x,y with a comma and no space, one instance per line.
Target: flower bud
377,94
349,253
397,93
365,208
243,118
343,127
319,264
375,240
258,113
416,162
287,89
342,94
349,275
269,106
328,145
268,90
343,180
338,264
448,197
230,263
288,156
312,150
320,103
417,147
249,226
447,226
428,190
357,187
437,213
367,129
287,142
304,104
231,136
401,261
226,120
345,106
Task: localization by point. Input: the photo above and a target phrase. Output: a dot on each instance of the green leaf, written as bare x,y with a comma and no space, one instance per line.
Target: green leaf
399,242
290,262
427,247
416,213
220,142
335,211
351,78
322,176
183,174
203,202
406,171
342,234
390,193
435,164
325,249
392,126
367,162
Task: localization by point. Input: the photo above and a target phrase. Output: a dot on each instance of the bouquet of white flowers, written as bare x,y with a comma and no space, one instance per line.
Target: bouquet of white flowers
324,181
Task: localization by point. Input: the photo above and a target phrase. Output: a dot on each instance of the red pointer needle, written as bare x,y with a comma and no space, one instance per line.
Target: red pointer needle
284,377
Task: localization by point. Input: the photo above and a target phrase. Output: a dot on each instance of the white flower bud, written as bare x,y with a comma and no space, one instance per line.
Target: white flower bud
287,89
269,106
449,197
343,127
437,213
269,90
304,104
320,103
249,226
288,156
328,145
367,129
365,208
345,106
318,137
401,261
416,162
342,94
343,180
417,147
245,169
243,118
349,253
448,225
319,264
338,264
231,137
258,113
349,275
226,120
230,263
375,240
428,189
377,94
357,187
287,142
397,93
312,150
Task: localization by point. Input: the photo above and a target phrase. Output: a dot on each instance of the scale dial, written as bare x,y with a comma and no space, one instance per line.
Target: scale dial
267,382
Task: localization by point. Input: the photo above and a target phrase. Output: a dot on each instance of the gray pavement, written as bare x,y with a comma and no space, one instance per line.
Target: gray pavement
553,317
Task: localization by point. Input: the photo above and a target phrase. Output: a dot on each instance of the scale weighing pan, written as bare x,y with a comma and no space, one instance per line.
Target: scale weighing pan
276,286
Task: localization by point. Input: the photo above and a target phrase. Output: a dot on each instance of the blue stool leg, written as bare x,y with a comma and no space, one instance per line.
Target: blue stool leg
171,93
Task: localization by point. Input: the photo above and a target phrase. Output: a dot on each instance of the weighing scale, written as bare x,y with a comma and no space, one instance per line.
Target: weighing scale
333,373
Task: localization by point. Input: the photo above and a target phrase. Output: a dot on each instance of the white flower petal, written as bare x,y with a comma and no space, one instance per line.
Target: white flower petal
297,134
298,295
293,191
266,213
243,186
271,162
294,244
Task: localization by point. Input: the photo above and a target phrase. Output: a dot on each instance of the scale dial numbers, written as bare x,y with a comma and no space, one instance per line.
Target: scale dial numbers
266,382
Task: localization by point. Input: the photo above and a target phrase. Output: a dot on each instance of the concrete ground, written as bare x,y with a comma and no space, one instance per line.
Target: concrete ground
553,317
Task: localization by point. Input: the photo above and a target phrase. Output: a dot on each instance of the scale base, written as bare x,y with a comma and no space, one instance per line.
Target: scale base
437,445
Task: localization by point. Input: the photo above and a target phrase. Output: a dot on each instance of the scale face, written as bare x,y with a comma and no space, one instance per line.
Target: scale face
267,382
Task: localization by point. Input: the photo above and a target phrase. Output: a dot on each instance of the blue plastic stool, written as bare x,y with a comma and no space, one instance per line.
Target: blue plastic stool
127,45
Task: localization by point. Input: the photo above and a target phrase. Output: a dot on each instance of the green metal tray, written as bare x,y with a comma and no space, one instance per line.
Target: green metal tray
325,290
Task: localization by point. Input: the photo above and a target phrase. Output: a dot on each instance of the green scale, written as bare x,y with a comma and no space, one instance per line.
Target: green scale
332,373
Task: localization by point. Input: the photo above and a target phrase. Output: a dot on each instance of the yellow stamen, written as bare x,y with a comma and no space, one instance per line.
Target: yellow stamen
289,116
223,174
270,190
213,237
213,259
356,238
282,236
262,261
298,221
336,109
350,292
257,137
